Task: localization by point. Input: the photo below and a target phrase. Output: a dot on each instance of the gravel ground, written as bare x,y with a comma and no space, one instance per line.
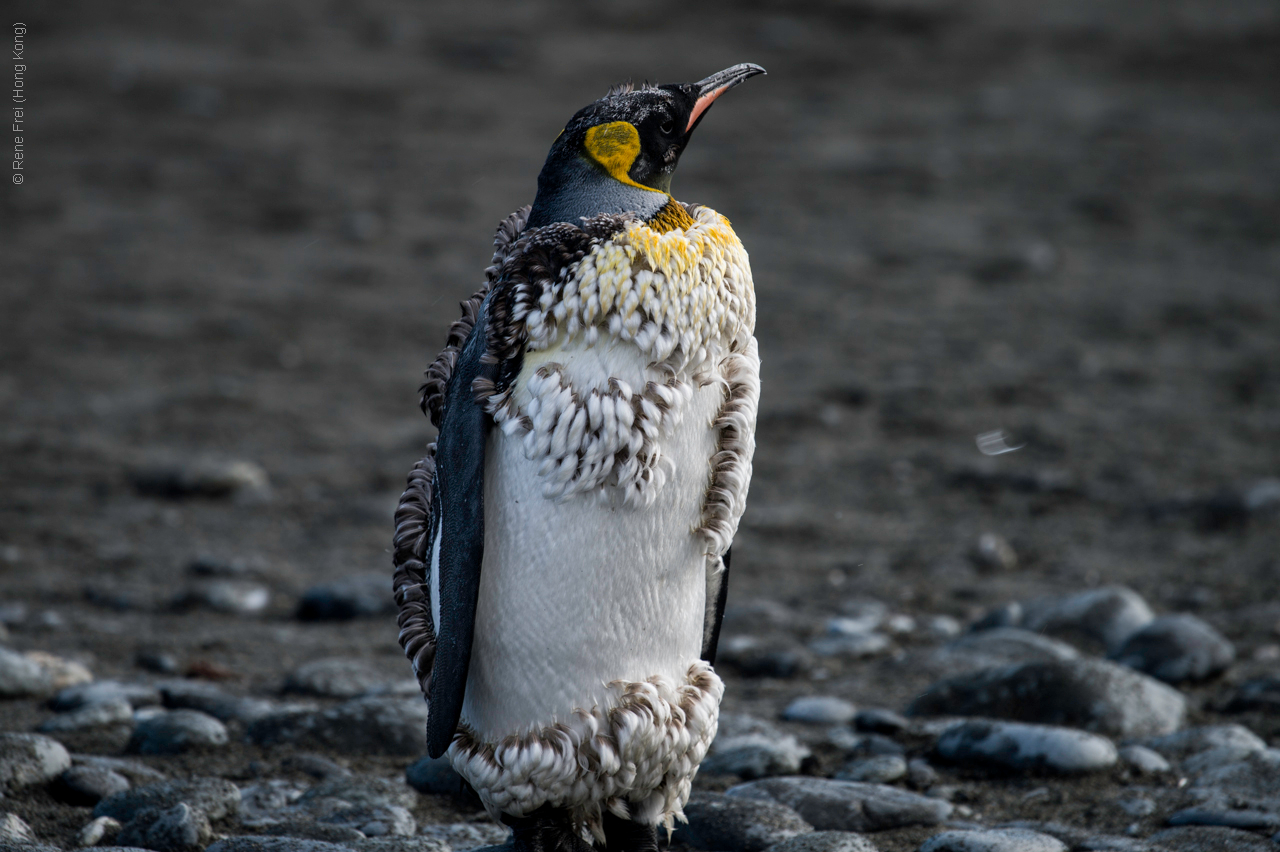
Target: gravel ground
244,229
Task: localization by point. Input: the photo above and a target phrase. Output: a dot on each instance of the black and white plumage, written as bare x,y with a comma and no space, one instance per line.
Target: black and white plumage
562,551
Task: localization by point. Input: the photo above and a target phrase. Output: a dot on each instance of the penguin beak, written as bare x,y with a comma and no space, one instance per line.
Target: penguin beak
706,91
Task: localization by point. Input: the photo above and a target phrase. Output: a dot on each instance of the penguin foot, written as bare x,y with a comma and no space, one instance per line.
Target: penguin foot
547,829
623,835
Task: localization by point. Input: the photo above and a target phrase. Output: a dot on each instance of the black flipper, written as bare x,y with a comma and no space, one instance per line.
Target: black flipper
460,494
711,630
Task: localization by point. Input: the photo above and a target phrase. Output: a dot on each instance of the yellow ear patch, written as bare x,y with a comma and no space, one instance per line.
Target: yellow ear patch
615,147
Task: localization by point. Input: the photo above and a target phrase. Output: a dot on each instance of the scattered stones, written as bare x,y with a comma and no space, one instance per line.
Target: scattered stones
117,712
1108,616
242,480
180,828
718,821
215,797
175,732
21,677
1144,759
88,785
1261,693
825,841
846,805
1204,839
876,720
14,830
467,835
1177,648
881,769
104,692
1021,746
214,700
820,709
434,775
336,677
371,725
350,597
27,759
993,840
1085,693
98,830
335,794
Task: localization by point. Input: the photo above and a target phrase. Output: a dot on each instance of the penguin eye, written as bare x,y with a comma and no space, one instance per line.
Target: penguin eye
667,127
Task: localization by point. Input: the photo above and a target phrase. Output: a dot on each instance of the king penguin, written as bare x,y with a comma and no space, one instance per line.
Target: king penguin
562,551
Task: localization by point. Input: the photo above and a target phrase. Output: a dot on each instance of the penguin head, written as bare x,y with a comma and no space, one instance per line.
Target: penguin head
617,155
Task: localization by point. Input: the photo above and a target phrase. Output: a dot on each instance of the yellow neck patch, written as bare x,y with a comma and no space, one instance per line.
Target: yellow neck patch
671,217
615,147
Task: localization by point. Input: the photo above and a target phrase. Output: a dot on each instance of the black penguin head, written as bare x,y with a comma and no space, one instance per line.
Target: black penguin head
618,154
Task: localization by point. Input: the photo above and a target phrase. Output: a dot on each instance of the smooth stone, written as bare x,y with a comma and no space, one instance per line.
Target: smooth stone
1208,839
104,692
237,597
755,755
180,828
370,725
877,720
251,843
176,732
215,797
1261,693
13,829
1095,695
1005,645
942,627
333,794
21,677
214,700
1256,777
1108,615
212,478
335,677
97,830
1177,648
376,821
920,774
135,771
363,595
867,745
720,822
62,672
434,775
826,841
1246,819
882,769
463,836
1115,843
1183,744
27,759
993,840
1136,806
854,646
1144,759
315,765
1203,761
156,661
88,785
776,657
846,805
820,709
118,712
1022,746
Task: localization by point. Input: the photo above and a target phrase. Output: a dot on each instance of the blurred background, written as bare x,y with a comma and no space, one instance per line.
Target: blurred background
245,228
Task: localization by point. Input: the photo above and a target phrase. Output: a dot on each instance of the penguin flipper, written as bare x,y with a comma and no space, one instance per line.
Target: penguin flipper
458,537
715,610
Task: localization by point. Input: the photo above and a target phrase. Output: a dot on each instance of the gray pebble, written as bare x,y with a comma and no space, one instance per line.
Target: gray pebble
214,700
21,677
826,841
333,794
97,830
820,709
1246,819
467,835
242,480
274,844
215,797
135,771
920,774
104,692
854,646
315,765
180,828
176,732
882,769
993,840
1115,843
27,759
846,805
88,785
237,597
755,755
1177,648
1256,778
1106,616
1183,744
1021,746
1262,693
376,821
118,712
998,647
1202,761
1136,806
14,830
1095,695
334,678
1207,839
775,657
434,775
350,597
1144,759
877,720
371,725
717,821
156,661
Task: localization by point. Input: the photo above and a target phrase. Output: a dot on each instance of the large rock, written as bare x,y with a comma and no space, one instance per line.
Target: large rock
1095,695
215,797
372,725
720,822
176,732
27,759
846,805
1106,616
1020,746
993,840
1177,648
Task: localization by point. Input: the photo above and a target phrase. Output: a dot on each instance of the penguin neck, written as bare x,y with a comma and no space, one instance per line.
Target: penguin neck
574,188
